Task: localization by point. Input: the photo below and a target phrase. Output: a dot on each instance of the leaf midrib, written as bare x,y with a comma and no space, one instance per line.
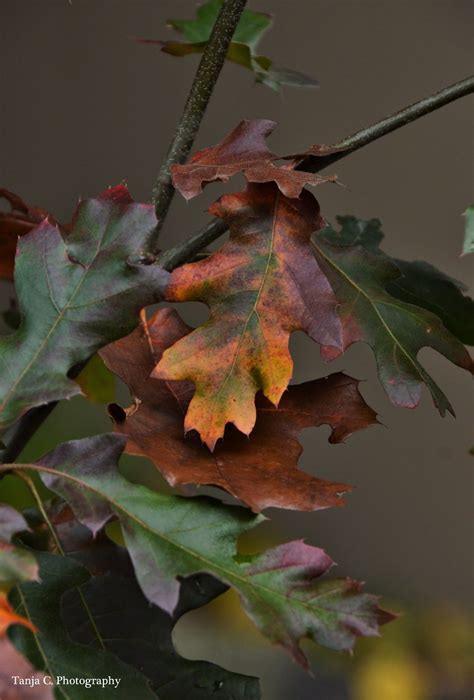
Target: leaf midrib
39,645
253,310
52,329
426,378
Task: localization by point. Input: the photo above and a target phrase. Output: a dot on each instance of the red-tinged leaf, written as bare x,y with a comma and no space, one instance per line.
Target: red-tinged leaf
110,622
243,151
170,538
14,223
76,294
262,472
360,275
9,617
261,285
348,612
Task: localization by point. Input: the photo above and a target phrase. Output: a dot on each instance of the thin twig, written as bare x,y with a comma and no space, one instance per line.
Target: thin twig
395,121
336,152
174,257
204,81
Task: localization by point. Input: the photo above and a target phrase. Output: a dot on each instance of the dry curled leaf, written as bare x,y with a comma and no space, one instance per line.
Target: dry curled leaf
243,151
261,285
262,472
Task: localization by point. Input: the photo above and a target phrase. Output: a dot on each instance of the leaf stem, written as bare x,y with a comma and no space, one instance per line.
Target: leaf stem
202,87
337,151
34,492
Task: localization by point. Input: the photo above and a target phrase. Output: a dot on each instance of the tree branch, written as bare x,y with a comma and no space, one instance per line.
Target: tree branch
180,253
204,81
329,154
409,114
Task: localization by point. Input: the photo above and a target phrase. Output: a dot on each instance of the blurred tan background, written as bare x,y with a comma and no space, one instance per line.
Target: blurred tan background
84,107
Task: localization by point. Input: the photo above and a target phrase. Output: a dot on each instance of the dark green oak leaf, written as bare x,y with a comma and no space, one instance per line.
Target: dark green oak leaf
138,632
17,564
169,537
52,651
75,296
242,50
372,290
423,285
419,283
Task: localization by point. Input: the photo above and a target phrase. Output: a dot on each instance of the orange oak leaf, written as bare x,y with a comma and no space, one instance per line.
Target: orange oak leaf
9,617
14,223
262,472
244,151
261,285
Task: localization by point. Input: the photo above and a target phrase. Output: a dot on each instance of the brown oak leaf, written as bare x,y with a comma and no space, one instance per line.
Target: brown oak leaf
243,151
262,472
263,284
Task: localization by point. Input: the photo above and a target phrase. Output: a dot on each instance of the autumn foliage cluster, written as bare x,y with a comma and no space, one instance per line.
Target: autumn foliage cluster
211,405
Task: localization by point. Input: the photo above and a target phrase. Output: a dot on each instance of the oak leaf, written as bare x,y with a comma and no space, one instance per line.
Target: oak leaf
14,223
418,283
75,295
170,538
261,285
362,276
261,472
243,47
243,151
50,648
13,664
152,652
